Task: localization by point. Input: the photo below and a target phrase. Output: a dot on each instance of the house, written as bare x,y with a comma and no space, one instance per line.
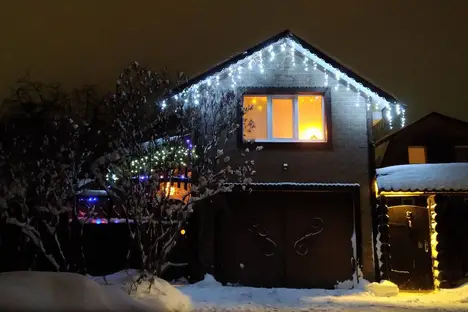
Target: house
435,138
422,240
309,220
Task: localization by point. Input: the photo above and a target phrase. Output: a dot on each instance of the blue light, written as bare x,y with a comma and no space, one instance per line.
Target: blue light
92,199
98,221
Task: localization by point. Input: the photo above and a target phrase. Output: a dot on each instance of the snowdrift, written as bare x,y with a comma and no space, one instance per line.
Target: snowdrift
162,295
51,291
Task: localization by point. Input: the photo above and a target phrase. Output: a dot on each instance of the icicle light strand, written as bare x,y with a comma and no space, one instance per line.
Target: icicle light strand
270,53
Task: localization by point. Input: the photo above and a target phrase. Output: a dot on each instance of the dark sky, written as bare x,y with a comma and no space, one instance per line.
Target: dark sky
416,50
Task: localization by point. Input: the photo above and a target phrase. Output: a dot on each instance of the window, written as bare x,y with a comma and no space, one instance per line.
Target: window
285,118
416,154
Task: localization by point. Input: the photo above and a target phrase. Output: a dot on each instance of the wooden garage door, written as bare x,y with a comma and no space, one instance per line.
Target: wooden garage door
294,239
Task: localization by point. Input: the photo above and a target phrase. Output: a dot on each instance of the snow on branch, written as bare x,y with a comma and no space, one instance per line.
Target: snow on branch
167,158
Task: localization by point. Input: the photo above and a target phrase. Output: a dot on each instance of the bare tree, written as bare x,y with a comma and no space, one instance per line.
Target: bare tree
43,151
169,154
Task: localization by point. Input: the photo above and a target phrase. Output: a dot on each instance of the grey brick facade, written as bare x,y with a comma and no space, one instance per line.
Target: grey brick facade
346,162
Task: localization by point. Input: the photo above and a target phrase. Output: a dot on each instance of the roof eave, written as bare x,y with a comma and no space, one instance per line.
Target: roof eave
284,34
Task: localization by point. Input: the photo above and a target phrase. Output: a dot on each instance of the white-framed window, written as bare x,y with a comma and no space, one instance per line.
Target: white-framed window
285,118
417,155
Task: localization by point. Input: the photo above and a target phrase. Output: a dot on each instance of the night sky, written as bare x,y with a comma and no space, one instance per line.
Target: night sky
416,50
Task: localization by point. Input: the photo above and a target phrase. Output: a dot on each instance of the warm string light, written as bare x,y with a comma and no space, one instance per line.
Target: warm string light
271,54
175,156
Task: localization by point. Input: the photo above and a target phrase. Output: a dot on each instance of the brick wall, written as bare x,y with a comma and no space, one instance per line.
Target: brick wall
346,162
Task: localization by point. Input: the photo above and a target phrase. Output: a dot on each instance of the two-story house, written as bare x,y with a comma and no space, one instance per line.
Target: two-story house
309,220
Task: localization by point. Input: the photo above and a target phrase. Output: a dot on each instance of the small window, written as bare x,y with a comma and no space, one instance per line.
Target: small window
285,118
417,155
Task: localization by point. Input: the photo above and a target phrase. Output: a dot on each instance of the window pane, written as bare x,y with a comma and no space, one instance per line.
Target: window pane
417,155
282,118
255,118
311,123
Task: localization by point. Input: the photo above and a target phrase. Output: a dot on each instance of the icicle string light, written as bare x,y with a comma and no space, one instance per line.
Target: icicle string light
270,53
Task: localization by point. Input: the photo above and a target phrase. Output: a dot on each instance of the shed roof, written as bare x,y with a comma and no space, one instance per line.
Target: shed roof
419,123
447,177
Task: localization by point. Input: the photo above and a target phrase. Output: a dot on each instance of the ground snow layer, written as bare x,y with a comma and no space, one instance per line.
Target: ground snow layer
46,291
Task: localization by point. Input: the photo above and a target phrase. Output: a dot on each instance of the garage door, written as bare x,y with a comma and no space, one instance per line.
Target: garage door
297,239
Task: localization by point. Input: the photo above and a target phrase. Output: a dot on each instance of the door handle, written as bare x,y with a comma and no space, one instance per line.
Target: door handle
426,246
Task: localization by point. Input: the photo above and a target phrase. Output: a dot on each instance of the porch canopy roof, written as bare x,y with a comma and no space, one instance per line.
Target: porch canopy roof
448,177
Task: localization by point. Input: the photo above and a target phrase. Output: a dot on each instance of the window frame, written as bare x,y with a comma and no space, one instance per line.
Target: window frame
271,93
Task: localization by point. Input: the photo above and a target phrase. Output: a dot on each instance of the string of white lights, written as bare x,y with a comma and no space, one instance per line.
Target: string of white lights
270,54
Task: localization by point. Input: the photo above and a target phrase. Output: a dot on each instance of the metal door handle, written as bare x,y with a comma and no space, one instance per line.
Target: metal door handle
426,246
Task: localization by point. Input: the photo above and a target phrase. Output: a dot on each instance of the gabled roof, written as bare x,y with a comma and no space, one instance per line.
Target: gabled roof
447,177
322,59
419,122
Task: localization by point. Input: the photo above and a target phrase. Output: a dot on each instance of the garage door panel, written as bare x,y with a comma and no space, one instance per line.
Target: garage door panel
254,242
294,239
318,240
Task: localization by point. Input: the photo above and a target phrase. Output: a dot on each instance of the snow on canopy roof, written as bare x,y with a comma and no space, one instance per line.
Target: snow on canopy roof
448,177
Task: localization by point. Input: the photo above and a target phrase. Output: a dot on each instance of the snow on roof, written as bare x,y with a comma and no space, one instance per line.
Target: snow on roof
93,193
448,177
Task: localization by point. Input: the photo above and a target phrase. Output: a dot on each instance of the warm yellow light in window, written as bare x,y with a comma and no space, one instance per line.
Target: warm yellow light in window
282,118
170,190
416,155
182,232
255,118
311,134
311,118
175,192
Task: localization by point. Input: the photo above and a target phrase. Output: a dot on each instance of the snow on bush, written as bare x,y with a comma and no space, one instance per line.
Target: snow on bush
383,289
208,281
52,291
345,285
162,295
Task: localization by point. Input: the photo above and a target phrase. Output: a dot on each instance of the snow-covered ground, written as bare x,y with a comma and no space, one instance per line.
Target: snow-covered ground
45,291
209,295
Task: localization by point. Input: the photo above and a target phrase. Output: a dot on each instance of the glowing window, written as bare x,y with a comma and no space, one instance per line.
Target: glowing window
416,155
310,113
174,191
255,118
282,118
285,118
